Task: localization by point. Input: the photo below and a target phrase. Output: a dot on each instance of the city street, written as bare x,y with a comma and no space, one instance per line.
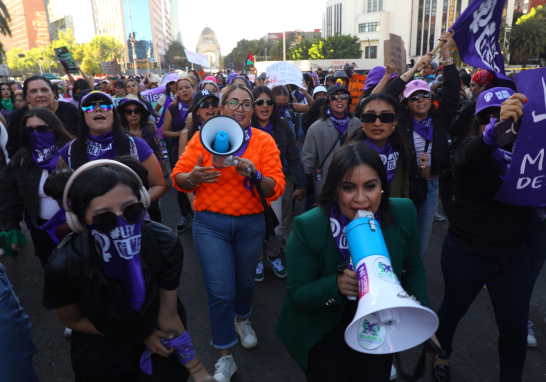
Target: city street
475,357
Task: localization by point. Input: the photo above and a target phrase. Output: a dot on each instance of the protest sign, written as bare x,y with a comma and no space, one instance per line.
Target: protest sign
110,68
525,183
252,77
153,95
66,59
356,86
284,73
197,58
394,49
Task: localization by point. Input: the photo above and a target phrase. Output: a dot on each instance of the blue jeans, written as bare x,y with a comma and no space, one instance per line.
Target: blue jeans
228,248
536,245
16,344
466,269
426,211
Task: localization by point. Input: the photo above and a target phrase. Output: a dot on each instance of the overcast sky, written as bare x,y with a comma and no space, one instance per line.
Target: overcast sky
234,21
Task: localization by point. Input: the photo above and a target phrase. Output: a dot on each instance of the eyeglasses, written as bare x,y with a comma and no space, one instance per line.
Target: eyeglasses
335,97
31,129
260,102
90,107
132,111
107,221
234,105
207,104
384,118
415,97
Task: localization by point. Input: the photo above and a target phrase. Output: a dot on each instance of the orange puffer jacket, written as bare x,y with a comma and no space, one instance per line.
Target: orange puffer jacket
229,196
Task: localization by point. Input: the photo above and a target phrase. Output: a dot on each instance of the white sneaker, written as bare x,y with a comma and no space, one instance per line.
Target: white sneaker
247,334
67,332
224,369
531,340
438,217
393,373
259,275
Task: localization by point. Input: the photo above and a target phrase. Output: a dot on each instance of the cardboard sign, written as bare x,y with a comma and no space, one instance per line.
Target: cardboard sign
197,58
356,86
525,183
394,49
66,59
111,68
284,73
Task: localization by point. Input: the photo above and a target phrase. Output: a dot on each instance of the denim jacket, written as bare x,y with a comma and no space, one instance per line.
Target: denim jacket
300,134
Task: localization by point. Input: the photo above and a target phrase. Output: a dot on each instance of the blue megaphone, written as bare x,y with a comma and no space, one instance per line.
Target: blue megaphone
221,143
365,238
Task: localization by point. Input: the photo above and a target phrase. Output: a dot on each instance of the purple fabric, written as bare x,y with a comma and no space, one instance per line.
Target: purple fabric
282,111
248,135
101,146
121,253
183,349
299,96
44,149
503,157
183,109
492,98
52,224
424,128
388,156
374,76
267,128
231,77
340,123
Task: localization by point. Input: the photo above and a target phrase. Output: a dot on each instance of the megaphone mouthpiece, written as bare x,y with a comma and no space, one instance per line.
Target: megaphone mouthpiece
221,143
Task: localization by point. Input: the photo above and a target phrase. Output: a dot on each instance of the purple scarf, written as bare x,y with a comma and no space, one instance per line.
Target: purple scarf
389,157
165,107
248,135
267,128
121,253
54,223
282,111
101,147
44,149
183,109
424,128
503,157
183,349
339,123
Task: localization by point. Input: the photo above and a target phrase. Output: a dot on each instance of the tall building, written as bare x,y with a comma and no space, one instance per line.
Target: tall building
28,25
419,22
63,15
176,16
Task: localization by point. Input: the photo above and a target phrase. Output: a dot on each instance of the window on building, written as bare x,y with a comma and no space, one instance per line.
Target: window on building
375,5
368,27
370,52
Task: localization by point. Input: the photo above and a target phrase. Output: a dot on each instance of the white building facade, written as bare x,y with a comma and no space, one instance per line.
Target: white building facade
419,22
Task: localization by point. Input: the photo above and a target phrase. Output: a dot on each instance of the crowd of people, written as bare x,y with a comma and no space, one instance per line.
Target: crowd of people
85,163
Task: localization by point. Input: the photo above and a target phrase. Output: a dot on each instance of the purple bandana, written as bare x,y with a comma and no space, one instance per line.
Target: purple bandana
121,254
54,226
339,123
424,128
183,110
503,157
300,96
101,146
248,134
282,111
183,349
267,128
389,157
44,149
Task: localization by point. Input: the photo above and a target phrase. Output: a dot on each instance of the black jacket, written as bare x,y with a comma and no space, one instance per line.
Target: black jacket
19,183
441,119
290,154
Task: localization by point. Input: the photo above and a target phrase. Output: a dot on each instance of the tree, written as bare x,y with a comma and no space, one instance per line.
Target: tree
5,30
342,46
176,49
300,51
527,38
316,52
101,48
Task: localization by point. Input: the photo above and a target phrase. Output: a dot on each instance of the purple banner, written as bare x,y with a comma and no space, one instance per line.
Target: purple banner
153,95
477,35
525,183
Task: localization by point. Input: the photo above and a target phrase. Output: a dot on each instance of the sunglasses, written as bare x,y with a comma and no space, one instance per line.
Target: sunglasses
335,97
260,102
90,107
31,129
132,111
207,104
415,97
107,221
384,118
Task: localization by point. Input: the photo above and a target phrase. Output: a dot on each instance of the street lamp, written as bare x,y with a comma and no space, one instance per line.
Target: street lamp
133,40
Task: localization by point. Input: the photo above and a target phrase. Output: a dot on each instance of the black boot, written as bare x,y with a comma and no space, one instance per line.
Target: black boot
440,373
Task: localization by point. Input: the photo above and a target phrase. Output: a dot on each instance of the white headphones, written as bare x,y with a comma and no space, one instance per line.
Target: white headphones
71,219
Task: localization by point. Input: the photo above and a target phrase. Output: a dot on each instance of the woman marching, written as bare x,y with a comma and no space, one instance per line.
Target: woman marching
425,131
114,283
133,87
169,96
229,233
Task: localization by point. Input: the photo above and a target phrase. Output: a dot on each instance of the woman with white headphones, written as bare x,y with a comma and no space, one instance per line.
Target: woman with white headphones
114,283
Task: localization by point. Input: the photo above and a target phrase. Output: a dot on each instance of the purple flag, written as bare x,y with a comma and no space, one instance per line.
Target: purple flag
477,35
153,95
525,183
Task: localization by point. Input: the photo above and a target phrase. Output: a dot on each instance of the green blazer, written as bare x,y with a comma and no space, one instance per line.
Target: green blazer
313,305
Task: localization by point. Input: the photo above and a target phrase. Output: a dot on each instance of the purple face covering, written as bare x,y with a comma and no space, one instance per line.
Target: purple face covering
267,128
121,253
283,110
424,128
101,147
183,349
503,157
44,149
54,223
389,157
339,123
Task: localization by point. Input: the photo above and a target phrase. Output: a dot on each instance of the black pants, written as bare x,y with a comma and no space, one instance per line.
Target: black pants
183,201
446,193
155,212
331,359
43,243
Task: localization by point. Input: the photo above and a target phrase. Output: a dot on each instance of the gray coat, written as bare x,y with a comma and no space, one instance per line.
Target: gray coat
319,140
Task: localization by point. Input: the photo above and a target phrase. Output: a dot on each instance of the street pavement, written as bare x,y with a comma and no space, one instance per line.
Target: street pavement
475,355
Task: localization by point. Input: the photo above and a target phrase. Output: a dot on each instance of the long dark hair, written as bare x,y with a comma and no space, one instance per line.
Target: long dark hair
312,115
275,118
12,96
79,147
194,121
341,168
61,135
79,84
309,82
37,78
137,86
358,108
324,116
396,139
144,122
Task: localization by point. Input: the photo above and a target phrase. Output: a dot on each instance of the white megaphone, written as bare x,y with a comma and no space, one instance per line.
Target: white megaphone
222,136
388,320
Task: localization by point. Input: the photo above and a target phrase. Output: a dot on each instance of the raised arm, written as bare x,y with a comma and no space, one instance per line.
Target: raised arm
389,70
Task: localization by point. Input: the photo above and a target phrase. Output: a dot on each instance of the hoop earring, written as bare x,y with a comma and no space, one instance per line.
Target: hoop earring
382,191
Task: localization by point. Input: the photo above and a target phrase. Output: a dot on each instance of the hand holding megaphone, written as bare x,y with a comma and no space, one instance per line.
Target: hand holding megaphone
243,166
347,283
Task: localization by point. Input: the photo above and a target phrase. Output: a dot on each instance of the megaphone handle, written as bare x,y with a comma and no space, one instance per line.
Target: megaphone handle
235,162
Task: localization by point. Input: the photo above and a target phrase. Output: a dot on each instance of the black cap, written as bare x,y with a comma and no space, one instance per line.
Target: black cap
333,89
201,95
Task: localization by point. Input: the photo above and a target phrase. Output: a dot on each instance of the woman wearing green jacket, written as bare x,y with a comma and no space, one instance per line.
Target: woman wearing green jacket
316,309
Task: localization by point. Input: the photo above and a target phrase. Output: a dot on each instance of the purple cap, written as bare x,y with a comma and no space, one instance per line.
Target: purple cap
374,77
415,86
493,97
95,95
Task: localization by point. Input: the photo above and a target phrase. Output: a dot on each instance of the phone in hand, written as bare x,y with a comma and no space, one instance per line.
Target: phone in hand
506,131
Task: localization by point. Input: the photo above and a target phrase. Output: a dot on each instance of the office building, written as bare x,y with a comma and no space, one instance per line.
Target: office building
28,25
63,15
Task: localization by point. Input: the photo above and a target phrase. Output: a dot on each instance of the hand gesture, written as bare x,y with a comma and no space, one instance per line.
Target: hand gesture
203,174
513,107
447,37
154,343
347,283
243,165
390,68
267,80
299,194
425,60
303,87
